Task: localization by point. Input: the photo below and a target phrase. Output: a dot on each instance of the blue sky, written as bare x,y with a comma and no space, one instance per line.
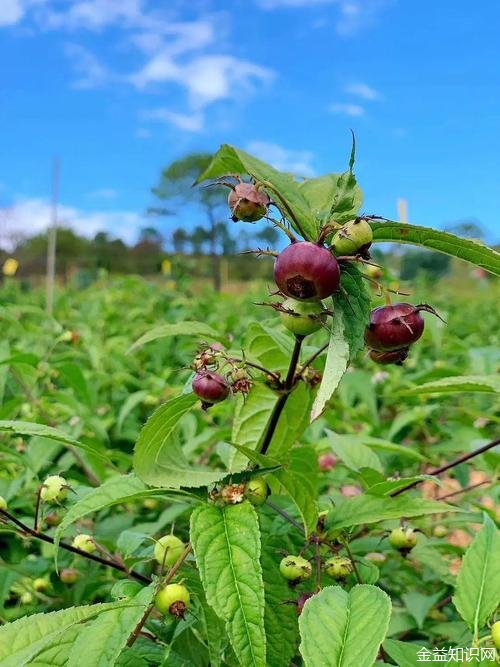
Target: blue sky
119,88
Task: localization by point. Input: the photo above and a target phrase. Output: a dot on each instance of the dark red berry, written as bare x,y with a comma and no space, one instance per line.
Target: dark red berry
305,270
301,600
210,387
395,327
248,202
394,357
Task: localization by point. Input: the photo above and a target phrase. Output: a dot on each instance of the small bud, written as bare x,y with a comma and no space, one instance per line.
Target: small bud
69,575
54,489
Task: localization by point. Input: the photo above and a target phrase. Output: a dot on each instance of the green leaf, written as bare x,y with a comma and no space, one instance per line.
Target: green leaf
282,187
404,653
119,489
25,638
293,421
226,544
478,583
378,444
388,486
353,453
132,401
333,196
340,629
489,384
371,509
280,619
419,605
466,249
268,346
56,652
102,640
337,360
300,480
158,456
186,328
32,428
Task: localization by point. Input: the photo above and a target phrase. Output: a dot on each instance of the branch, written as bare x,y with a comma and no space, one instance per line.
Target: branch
68,547
285,515
315,356
448,466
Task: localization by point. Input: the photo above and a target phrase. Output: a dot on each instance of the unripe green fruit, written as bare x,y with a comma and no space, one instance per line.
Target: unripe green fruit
257,491
26,598
495,634
84,543
3,503
168,550
53,488
173,599
440,531
304,318
403,538
69,575
295,568
338,567
40,584
150,503
354,237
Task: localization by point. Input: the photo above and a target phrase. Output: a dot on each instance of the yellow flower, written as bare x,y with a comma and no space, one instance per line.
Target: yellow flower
10,267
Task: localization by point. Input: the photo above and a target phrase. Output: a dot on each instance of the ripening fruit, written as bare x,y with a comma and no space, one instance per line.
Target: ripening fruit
168,550
338,567
84,543
173,599
40,584
327,461
210,387
54,488
354,238
295,568
301,600
248,202
69,575
257,491
395,327
306,271
403,539
3,503
393,357
302,317
495,634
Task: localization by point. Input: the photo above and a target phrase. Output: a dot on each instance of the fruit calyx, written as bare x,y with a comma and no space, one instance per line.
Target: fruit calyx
248,202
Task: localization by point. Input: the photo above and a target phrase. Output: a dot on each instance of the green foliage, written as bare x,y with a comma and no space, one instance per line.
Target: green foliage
341,629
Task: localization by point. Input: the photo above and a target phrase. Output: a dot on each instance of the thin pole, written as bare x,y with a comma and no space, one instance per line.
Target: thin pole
52,238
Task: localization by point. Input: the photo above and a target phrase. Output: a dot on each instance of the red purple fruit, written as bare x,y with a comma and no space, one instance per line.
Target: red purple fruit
305,270
393,357
395,327
210,387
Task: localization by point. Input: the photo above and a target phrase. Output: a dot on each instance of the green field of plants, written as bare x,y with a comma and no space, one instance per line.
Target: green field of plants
314,508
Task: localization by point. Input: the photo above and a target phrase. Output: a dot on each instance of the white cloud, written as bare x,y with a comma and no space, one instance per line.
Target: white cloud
363,90
103,193
354,110
184,121
94,14
30,216
295,161
11,12
92,73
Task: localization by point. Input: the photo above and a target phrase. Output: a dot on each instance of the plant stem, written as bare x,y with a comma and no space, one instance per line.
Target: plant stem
465,489
448,466
68,547
171,574
281,402
354,567
285,515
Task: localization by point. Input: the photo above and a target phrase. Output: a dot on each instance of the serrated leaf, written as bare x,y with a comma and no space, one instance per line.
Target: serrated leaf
354,301
282,187
348,198
102,640
388,486
158,456
226,544
293,421
353,453
404,653
186,328
478,582
40,430
334,196
299,478
466,249
489,384
371,509
268,346
340,629
337,360
25,638
56,652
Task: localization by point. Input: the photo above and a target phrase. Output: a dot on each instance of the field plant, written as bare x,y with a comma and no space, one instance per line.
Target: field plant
300,475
